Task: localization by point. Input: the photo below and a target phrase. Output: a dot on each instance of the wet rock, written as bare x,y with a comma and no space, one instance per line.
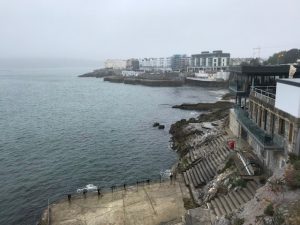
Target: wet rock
156,124
226,182
161,127
222,221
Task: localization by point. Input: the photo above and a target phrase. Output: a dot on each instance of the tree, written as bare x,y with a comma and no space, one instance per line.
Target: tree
284,57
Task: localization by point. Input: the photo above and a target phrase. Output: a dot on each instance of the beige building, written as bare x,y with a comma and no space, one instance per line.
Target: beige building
115,64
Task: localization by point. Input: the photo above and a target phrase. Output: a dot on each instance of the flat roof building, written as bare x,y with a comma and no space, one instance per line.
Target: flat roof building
216,60
267,111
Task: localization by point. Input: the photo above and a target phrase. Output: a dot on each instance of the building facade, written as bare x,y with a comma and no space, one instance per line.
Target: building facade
209,61
115,64
180,62
267,112
132,64
155,64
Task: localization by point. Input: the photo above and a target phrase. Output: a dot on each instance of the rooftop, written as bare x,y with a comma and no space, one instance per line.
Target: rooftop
293,82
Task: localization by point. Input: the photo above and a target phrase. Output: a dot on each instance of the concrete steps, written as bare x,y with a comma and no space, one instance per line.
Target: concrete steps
206,148
225,204
203,170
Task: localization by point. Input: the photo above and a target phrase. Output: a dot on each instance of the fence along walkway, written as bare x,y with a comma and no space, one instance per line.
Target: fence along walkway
142,204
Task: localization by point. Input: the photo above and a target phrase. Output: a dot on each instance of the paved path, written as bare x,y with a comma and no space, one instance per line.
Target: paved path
149,205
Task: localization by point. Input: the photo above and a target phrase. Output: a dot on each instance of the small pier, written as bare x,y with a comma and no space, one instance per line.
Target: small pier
143,203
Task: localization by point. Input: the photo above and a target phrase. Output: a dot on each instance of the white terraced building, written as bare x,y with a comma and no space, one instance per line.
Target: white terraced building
155,64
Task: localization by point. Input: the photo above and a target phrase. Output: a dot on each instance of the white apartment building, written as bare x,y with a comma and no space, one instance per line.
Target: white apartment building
155,64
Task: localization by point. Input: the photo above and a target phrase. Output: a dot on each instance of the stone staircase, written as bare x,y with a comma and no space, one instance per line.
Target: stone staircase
205,169
225,204
202,151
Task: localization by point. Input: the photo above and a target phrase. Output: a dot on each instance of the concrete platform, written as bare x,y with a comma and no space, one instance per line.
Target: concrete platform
148,204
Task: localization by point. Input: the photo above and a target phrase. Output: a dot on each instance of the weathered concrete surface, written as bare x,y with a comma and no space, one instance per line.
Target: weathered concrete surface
149,204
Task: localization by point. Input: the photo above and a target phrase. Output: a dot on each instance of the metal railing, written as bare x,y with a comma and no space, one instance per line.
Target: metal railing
264,93
263,137
236,86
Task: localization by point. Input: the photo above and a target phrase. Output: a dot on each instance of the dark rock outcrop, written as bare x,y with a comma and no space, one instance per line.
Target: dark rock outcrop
161,127
114,79
102,73
206,106
156,124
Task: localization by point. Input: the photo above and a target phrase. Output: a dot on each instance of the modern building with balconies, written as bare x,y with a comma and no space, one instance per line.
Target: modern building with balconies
209,61
267,111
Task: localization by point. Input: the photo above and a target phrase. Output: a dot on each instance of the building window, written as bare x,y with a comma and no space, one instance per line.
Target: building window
281,128
291,133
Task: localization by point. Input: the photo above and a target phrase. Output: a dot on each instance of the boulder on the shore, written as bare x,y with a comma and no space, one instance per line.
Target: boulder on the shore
156,124
161,127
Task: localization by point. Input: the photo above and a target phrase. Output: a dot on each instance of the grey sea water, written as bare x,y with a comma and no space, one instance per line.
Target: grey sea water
59,133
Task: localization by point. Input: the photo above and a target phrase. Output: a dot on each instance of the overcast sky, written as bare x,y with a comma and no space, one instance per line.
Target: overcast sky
100,29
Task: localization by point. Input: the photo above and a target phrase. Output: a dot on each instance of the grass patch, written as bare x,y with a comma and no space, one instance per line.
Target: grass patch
237,182
188,203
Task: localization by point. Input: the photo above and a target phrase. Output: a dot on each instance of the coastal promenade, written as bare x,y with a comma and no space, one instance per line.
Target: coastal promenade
149,204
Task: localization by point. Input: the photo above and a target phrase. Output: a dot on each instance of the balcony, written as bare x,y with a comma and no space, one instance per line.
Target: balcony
269,142
265,93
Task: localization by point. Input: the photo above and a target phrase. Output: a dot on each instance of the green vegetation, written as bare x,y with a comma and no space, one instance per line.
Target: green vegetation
269,210
278,218
292,173
284,57
188,203
238,221
229,163
237,182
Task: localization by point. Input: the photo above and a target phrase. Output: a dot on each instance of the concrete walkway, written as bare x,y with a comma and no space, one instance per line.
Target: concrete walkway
148,204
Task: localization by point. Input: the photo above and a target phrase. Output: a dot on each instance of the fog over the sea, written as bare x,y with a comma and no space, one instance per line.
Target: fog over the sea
100,29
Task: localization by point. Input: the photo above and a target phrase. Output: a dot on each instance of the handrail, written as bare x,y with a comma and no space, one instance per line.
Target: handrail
264,95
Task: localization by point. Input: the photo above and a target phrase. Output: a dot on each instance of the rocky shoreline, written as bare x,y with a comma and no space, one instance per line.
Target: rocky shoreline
222,191
145,82
166,79
99,73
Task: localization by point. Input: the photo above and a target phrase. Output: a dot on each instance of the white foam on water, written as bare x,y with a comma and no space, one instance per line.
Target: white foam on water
165,173
194,113
220,92
88,187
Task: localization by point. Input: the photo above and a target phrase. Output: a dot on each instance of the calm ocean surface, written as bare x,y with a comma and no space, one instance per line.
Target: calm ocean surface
59,133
